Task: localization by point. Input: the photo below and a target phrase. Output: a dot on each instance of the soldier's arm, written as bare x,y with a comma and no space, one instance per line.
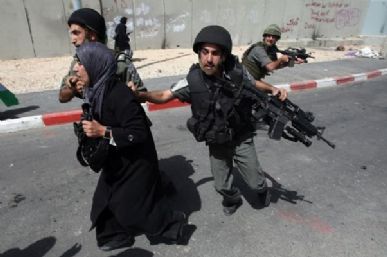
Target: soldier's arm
261,56
157,97
65,95
278,64
179,90
69,86
266,87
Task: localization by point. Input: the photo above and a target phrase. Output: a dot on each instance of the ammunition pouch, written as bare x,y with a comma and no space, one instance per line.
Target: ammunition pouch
277,126
201,133
220,137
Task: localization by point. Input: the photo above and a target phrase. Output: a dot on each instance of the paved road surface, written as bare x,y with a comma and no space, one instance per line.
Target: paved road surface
325,202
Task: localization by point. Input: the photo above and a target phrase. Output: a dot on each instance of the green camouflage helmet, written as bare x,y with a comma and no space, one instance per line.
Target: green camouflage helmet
273,29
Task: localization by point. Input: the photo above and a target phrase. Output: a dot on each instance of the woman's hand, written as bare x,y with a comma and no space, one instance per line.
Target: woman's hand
93,128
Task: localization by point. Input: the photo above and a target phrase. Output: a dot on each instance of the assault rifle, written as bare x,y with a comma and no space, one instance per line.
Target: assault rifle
285,119
295,53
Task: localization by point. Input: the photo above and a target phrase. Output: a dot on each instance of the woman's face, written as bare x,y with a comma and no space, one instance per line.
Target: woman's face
81,73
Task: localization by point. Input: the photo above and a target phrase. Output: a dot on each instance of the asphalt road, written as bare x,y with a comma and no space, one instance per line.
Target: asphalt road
326,202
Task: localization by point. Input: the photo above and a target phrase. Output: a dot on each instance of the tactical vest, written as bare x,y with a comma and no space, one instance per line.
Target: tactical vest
255,69
217,116
126,71
123,58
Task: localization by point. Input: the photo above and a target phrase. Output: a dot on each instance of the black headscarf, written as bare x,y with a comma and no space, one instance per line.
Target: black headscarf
123,20
101,66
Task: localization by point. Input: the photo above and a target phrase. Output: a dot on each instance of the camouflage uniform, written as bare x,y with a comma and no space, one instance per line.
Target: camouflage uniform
125,71
258,55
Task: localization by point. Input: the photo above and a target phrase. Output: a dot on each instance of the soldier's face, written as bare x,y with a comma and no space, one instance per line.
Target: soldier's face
80,35
81,74
270,39
211,59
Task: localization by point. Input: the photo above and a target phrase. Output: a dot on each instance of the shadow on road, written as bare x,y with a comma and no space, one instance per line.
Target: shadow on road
13,113
39,249
179,170
278,192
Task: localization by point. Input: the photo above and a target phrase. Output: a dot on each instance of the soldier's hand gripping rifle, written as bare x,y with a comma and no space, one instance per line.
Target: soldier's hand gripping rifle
285,119
295,53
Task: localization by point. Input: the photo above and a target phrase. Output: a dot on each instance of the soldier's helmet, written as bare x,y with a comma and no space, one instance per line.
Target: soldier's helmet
214,34
272,29
90,18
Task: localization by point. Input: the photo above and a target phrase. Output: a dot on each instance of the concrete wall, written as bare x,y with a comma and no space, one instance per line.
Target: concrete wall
15,40
376,18
46,20
31,28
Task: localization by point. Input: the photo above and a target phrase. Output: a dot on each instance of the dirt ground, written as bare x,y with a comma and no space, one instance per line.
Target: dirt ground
38,74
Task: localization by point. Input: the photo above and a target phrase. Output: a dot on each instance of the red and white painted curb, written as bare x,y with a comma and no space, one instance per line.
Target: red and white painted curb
49,119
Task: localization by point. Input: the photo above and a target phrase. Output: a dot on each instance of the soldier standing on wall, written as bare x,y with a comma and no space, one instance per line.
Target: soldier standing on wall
219,117
85,25
261,57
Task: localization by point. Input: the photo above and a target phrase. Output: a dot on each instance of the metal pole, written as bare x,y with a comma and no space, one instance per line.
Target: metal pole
77,4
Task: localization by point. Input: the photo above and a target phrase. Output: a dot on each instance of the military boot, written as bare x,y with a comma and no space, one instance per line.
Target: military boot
231,201
264,195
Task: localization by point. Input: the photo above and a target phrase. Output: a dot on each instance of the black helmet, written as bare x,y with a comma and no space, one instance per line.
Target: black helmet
214,35
91,19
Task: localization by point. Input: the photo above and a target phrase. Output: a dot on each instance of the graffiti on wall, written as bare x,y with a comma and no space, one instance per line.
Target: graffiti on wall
347,17
177,24
146,24
139,16
205,16
332,12
337,13
290,25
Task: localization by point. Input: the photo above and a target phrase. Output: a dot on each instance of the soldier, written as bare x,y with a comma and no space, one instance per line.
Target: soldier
220,118
85,25
261,57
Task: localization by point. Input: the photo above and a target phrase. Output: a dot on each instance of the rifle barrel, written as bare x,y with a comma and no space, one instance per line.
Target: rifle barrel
327,141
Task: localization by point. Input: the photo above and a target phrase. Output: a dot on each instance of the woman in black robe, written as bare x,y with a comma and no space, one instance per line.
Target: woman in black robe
121,37
129,199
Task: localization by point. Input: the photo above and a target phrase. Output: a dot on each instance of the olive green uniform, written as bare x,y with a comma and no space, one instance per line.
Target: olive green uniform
257,56
125,71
